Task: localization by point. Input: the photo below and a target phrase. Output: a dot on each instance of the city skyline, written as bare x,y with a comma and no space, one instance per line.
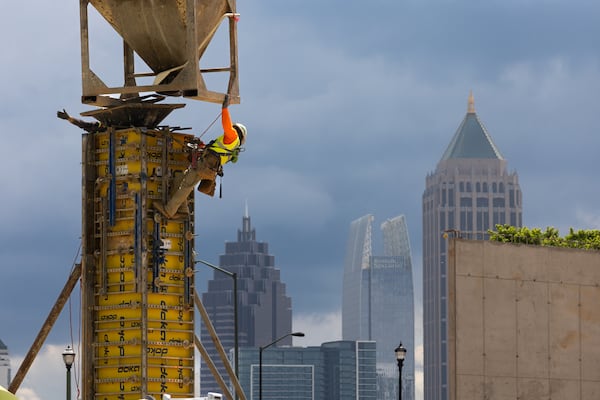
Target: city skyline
332,85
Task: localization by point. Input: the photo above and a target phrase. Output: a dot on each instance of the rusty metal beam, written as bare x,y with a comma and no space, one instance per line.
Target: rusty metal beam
213,334
213,368
46,328
170,38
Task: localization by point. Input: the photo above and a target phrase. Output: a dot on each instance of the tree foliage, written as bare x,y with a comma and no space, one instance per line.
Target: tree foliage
581,239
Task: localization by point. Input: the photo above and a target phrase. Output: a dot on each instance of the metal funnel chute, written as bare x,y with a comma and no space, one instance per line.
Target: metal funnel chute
170,36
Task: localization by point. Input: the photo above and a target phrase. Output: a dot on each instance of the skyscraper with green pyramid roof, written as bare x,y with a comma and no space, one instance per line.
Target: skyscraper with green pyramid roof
470,192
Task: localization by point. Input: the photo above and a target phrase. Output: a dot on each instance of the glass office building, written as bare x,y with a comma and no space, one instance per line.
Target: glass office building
378,300
341,370
468,194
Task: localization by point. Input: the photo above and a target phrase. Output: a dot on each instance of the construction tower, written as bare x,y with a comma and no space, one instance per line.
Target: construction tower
137,268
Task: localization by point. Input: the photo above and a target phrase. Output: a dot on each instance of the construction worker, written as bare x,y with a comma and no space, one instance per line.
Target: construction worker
217,153
91,127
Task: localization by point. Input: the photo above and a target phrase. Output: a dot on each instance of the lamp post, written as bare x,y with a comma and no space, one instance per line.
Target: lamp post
260,351
233,276
400,355
68,357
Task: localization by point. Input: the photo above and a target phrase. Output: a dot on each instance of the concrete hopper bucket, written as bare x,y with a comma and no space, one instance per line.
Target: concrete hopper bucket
170,36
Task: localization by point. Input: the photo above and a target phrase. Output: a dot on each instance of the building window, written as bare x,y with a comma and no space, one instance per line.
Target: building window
520,219
485,187
482,202
466,202
461,187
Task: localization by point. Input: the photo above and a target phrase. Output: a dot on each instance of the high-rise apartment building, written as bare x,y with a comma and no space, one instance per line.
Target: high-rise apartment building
4,366
340,370
468,194
378,300
264,309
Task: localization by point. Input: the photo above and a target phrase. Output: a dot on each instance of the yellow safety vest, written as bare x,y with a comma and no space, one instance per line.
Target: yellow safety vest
225,151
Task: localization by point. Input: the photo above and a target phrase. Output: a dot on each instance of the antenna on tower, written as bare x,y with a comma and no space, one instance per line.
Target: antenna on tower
471,106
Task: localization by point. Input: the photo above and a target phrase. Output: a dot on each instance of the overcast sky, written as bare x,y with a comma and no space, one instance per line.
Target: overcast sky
348,104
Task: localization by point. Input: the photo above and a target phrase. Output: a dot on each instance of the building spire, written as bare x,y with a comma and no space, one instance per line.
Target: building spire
471,106
247,233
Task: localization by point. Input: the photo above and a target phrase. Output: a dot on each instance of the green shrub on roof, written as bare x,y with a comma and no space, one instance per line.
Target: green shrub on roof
581,239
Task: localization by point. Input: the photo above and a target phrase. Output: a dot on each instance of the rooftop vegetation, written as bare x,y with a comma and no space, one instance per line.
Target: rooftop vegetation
580,239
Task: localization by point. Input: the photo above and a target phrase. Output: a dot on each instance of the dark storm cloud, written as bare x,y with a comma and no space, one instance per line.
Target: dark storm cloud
349,105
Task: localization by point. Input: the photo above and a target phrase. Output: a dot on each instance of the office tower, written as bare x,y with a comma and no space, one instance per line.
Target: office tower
4,366
358,254
264,309
350,370
340,370
378,300
468,194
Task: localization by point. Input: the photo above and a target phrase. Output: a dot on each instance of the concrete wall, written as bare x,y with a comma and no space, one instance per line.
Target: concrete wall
524,322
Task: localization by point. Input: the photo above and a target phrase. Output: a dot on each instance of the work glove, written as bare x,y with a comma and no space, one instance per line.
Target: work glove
62,114
226,101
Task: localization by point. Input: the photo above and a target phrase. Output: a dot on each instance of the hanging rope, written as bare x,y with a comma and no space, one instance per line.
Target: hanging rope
211,124
202,134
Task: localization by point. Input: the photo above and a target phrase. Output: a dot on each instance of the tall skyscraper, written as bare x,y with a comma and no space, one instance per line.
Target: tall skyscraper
4,366
469,193
264,309
378,299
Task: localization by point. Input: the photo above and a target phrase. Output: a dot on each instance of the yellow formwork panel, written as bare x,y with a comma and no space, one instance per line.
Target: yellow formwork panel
151,325
166,333
128,369
173,326
117,306
170,314
130,300
180,385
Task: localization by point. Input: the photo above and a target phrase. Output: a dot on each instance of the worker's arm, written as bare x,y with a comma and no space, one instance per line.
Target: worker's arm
230,134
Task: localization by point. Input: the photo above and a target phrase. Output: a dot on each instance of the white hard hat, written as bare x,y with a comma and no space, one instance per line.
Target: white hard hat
242,131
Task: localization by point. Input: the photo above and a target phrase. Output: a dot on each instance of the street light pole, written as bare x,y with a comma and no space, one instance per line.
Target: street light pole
260,351
233,275
68,357
400,355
